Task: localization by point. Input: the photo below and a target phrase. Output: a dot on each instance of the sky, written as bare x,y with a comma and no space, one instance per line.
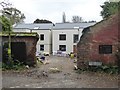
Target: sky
53,9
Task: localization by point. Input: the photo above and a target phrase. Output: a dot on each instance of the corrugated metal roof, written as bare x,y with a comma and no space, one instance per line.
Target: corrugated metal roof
33,26
72,25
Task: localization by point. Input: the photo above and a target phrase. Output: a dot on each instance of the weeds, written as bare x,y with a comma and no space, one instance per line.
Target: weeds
106,69
15,65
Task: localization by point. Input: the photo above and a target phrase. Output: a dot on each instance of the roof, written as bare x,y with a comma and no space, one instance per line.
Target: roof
33,26
72,25
23,34
57,26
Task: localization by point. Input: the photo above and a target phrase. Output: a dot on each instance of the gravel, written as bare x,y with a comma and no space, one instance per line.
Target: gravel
67,78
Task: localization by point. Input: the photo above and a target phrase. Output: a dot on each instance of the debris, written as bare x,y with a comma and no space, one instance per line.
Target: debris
75,67
67,74
54,70
45,74
27,66
42,58
42,61
75,60
45,62
26,85
71,55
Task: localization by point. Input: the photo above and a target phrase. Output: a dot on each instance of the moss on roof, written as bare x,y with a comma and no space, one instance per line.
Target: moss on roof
32,34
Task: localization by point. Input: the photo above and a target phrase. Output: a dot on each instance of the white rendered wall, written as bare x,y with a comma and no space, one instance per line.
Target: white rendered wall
68,42
46,42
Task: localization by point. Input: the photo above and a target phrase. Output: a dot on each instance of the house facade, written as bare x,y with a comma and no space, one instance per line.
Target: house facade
44,43
65,37
99,43
58,37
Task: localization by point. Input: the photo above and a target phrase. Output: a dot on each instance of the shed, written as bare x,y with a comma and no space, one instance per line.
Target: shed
23,46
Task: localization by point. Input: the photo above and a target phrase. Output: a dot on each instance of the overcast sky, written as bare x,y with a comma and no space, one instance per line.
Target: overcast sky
53,9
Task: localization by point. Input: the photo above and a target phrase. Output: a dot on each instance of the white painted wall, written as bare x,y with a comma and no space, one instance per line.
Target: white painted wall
68,42
47,42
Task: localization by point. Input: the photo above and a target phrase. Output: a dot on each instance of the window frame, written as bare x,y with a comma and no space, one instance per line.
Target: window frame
41,48
61,47
42,37
105,49
75,41
60,37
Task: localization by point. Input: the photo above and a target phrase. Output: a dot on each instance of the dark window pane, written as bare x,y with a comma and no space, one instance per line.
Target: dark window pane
42,37
62,37
75,38
105,49
41,47
62,47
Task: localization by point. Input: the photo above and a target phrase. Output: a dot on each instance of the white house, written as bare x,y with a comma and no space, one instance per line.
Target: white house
44,44
66,35
53,38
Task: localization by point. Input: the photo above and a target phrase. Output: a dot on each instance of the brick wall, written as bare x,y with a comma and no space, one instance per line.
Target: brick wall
103,33
30,42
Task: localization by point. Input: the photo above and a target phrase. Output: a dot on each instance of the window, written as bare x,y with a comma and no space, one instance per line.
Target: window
75,38
62,47
62,37
41,47
41,36
105,49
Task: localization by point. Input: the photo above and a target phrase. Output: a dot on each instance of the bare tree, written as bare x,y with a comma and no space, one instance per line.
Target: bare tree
13,14
5,4
77,19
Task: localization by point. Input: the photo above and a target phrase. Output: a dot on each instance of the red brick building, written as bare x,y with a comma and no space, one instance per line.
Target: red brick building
99,43
23,46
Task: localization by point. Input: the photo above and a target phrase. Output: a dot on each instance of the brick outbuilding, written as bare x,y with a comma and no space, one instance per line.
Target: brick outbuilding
99,43
23,46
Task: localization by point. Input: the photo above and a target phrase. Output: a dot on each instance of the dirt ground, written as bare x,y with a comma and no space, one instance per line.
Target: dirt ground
41,77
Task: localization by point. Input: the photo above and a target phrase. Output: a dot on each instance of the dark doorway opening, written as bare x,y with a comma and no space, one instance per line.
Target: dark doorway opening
19,51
